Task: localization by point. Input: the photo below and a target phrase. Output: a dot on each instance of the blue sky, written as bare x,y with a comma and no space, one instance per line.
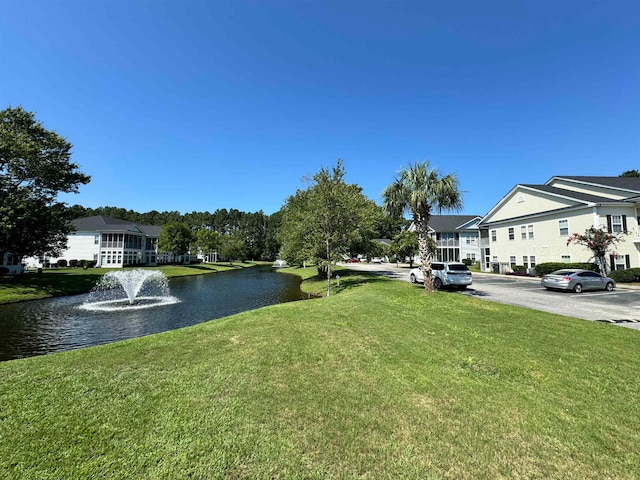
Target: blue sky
200,105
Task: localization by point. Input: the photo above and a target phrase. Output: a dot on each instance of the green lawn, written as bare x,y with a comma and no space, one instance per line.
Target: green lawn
379,381
68,281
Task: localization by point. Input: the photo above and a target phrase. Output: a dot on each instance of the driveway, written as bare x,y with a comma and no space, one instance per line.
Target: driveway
621,307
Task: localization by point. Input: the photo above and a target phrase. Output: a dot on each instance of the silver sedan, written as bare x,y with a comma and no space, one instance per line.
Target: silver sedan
576,280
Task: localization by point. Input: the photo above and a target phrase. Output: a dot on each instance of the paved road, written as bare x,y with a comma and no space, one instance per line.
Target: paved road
622,306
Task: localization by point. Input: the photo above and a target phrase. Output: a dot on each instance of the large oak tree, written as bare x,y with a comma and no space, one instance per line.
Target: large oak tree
35,167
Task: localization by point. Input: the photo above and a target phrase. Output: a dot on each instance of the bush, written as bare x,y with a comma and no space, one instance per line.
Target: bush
519,270
468,262
73,263
626,276
4,270
544,268
61,263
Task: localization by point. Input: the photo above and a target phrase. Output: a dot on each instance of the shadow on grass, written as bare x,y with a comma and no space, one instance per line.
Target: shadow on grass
352,279
62,283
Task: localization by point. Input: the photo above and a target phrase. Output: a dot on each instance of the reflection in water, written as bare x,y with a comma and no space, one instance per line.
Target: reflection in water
45,326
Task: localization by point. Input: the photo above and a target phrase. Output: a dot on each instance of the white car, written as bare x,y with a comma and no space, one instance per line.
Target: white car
445,274
376,260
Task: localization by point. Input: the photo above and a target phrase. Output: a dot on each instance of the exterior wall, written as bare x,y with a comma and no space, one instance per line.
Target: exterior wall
521,203
469,245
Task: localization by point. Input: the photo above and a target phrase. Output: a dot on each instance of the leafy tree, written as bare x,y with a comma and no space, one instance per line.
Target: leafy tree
320,223
271,240
34,168
418,190
232,246
405,244
175,238
599,241
630,173
208,241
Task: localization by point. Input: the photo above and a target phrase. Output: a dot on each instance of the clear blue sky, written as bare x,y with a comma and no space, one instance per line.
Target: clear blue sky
200,105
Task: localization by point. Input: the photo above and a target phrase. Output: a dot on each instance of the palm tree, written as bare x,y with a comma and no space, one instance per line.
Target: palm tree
419,190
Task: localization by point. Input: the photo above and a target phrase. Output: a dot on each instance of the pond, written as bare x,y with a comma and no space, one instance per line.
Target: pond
53,325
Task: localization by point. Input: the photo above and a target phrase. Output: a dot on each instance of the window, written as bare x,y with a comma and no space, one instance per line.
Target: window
495,259
532,261
524,260
512,261
512,234
494,235
468,240
96,240
563,227
526,231
616,223
566,258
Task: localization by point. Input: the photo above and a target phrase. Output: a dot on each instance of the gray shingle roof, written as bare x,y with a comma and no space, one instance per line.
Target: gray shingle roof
626,183
583,197
102,223
449,223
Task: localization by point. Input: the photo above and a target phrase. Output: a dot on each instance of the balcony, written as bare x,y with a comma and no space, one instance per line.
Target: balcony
448,243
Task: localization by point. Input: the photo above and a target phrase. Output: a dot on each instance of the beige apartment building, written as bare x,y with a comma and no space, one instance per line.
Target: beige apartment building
531,223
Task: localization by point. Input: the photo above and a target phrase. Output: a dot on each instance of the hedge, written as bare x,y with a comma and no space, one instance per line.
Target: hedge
544,268
626,276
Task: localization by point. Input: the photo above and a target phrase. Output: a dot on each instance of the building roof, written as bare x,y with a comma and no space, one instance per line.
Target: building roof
580,196
624,183
102,223
451,223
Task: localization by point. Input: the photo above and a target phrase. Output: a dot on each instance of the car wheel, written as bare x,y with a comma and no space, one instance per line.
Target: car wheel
577,288
437,283
412,278
609,287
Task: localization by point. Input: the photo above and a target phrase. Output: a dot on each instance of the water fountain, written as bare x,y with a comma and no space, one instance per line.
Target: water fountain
131,290
279,264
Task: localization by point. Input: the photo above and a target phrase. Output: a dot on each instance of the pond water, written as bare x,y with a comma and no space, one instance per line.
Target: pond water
53,325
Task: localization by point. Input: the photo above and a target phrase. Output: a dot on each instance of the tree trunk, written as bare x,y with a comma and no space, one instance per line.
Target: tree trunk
328,270
421,223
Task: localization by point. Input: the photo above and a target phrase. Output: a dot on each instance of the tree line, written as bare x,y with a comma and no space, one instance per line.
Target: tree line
231,233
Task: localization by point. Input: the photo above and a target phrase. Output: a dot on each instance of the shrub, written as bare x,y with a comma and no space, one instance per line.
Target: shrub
519,270
61,263
468,262
626,276
4,270
73,263
543,268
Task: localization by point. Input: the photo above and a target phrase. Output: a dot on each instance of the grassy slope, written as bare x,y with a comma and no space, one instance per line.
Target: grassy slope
69,281
381,380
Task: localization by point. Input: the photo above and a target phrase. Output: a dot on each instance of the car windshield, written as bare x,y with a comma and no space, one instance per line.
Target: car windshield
458,267
563,272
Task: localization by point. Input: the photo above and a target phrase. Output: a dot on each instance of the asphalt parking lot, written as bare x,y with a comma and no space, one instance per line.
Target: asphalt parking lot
620,307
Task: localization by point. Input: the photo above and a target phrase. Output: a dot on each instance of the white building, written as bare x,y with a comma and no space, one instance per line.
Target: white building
108,242
457,237
531,223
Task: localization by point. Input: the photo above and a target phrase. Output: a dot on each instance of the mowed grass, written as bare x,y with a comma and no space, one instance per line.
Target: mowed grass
69,281
378,381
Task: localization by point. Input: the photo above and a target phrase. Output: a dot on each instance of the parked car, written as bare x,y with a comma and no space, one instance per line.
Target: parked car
445,274
577,281
376,260
353,260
